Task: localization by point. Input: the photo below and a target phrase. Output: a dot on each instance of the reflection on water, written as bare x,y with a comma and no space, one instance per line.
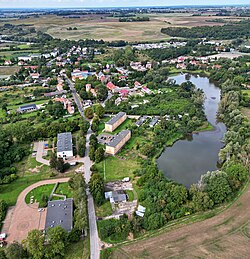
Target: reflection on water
188,159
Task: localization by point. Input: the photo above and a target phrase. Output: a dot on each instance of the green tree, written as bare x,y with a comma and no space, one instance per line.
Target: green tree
88,112
15,250
96,186
99,110
99,154
56,237
34,244
217,186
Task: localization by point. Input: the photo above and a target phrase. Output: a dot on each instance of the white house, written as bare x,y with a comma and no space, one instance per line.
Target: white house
64,145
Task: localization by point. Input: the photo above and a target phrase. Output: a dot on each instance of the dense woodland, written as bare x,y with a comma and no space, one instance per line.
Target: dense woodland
228,31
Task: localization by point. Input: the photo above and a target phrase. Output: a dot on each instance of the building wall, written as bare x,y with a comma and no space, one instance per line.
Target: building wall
110,128
114,150
65,154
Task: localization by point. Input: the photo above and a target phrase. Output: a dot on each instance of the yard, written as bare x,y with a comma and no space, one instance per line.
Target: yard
104,210
114,168
39,193
64,189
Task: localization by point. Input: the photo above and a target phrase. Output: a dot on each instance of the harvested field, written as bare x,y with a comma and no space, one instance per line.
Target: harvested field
109,28
7,71
226,235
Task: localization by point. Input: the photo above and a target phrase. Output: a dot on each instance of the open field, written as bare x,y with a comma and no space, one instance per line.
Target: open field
6,71
109,28
246,112
114,168
225,235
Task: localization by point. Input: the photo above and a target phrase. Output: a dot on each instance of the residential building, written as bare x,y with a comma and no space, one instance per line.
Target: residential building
115,122
64,145
60,213
118,142
116,196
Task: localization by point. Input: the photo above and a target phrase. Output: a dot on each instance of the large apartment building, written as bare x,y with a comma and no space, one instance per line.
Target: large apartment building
118,142
115,122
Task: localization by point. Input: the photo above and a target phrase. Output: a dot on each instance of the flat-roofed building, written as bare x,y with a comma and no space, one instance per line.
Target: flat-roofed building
64,145
115,122
118,142
60,213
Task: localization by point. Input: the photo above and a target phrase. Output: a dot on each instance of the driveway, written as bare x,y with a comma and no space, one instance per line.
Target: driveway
26,217
39,154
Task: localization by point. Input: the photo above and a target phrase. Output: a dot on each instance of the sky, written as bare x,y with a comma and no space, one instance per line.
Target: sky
112,3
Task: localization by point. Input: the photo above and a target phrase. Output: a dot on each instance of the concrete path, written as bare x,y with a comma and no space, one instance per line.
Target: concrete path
39,154
26,217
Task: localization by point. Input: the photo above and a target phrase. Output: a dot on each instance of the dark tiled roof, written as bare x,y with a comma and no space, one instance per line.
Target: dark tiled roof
60,213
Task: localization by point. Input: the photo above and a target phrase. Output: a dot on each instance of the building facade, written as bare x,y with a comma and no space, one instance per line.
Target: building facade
118,142
115,122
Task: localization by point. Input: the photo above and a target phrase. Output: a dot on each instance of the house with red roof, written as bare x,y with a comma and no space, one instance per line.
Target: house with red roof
111,86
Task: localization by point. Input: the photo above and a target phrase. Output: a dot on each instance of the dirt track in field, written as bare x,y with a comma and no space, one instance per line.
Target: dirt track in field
226,235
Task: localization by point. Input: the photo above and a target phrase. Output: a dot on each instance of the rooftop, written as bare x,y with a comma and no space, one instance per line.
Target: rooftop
118,138
116,118
64,142
60,213
28,106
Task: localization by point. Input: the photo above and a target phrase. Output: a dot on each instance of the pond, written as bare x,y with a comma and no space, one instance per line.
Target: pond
192,157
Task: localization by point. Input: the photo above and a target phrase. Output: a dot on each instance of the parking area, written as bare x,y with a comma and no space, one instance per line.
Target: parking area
105,138
25,217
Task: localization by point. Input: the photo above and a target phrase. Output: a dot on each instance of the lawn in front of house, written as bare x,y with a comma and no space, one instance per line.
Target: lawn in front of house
40,193
64,189
104,210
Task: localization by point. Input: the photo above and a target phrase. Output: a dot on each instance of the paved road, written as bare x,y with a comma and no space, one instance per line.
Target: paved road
27,217
39,154
93,232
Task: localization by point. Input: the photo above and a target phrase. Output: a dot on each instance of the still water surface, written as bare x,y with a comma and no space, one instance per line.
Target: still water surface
188,159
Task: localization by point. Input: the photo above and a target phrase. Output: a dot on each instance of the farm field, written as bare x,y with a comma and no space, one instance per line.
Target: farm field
225,235
6,71
109,28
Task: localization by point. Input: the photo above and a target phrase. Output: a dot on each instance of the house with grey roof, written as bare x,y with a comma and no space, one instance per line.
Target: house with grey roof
116,196
117,142
115,121
60,213
64,145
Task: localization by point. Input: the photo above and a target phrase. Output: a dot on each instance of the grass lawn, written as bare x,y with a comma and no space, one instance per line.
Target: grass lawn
101,125
130,195
39,192
116,168
247,91
63,189
205,127
2,113
125,125
9,192
79,250
104,210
